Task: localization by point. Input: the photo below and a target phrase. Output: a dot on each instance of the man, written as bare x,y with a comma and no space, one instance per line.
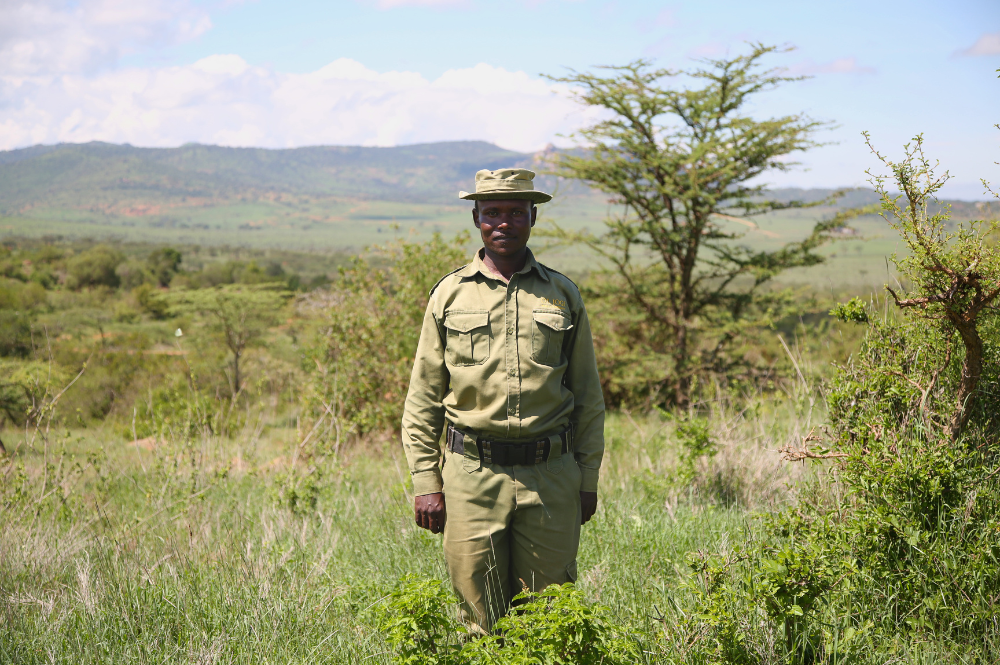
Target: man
505,368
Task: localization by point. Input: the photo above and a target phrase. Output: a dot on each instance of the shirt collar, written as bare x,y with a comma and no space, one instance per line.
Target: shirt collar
477,266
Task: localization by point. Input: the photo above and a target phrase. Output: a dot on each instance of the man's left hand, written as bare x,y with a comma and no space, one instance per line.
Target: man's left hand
588,506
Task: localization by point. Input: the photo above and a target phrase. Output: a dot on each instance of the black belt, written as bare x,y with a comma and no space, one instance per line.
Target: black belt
509,453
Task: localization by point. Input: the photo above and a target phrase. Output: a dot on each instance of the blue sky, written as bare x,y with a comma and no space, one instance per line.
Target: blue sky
385,72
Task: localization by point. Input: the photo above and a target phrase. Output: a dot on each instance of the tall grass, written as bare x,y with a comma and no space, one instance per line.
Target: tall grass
191,551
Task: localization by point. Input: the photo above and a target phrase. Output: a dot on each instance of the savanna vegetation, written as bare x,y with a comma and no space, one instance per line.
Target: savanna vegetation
200,463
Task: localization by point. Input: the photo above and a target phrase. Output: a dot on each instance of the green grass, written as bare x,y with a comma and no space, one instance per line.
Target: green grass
185,553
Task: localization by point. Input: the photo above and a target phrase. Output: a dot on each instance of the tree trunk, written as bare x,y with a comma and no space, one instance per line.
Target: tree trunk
237,379
682,382
972,369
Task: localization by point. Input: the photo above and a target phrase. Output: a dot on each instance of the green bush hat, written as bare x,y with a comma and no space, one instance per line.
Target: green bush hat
505,184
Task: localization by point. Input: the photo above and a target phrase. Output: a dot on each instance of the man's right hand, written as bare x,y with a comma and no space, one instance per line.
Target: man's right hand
429,512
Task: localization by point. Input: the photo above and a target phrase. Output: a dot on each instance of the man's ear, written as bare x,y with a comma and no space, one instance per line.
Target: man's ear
475,215
534,214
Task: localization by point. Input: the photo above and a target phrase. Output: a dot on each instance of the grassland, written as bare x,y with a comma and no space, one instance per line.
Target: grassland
342,199
183,551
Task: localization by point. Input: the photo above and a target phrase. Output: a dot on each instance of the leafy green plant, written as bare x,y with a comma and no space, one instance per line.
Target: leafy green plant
416,623
360,365
852,311
95,267
556,626
900,544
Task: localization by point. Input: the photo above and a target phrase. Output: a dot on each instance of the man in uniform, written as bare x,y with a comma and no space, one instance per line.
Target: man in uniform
505,368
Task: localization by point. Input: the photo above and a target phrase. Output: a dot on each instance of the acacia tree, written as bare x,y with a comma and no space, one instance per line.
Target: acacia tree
241,316
678,162
953,277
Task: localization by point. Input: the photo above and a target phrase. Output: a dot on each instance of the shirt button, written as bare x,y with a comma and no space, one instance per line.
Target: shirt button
512,372
510,331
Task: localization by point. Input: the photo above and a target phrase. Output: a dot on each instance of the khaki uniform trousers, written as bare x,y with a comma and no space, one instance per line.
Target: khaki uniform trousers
508,525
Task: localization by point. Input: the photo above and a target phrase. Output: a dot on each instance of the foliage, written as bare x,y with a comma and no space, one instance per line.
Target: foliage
152,301
902,545
164,263
415,621
954,276
679,163
24,388
240,316
557,626
554,626
95,267
852,311
15,334
361,367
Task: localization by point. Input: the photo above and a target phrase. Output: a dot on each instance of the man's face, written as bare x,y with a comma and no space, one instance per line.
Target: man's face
505,225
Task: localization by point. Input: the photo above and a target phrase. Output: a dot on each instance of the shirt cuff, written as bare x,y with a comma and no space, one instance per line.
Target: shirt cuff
589,478
427,482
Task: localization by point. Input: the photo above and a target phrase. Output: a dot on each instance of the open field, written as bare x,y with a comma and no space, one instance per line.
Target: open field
855,264
343,199
184,551
190,551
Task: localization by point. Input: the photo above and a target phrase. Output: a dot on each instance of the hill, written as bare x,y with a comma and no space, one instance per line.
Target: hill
109,177
314,198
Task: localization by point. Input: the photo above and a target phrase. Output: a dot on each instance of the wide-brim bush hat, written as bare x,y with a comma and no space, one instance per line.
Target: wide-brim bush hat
505,184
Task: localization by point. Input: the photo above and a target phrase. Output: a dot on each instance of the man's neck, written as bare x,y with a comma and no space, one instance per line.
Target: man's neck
505,266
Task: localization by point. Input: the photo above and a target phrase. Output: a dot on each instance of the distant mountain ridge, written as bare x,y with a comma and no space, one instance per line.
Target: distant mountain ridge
103,182
82,175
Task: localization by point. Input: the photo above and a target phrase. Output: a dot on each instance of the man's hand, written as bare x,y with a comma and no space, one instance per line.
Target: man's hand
430,513
588,506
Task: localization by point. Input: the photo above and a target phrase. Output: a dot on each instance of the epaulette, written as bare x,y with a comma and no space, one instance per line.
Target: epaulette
560,274
433,288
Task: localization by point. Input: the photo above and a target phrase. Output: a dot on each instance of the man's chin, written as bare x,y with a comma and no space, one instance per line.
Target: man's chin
511,248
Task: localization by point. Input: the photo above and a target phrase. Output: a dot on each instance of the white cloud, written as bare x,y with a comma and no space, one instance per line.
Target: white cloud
987,44
392,4
839,66
65,36
224,100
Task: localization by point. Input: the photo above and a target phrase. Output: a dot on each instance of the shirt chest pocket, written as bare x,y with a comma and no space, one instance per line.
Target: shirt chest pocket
548,330
469,336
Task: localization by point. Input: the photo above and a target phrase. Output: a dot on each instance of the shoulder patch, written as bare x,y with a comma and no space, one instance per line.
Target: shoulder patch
434,288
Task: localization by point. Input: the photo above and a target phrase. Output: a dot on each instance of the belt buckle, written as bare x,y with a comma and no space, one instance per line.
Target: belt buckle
487,452
540,451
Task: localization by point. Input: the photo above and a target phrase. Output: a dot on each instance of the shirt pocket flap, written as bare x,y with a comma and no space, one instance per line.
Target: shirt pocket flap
466,321
555,320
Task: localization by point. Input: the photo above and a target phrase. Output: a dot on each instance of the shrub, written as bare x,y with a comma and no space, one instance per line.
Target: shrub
95,267
163,264
133,273
15,334
151,301
554,626
904,547
360,367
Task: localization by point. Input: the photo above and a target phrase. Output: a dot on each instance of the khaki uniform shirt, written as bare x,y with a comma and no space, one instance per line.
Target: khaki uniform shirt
506,360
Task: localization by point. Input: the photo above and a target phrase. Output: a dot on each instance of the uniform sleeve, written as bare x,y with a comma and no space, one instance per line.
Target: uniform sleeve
423,413
588,412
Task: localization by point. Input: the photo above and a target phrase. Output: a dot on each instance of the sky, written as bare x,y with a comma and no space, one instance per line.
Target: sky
394,72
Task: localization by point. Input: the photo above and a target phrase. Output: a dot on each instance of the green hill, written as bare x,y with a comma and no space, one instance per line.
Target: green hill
103,174
213,195
316,198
